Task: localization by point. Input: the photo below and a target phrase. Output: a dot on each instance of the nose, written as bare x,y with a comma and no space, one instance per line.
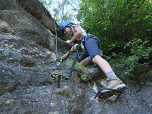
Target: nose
65,32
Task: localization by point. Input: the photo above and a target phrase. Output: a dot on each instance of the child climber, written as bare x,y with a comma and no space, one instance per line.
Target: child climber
92,45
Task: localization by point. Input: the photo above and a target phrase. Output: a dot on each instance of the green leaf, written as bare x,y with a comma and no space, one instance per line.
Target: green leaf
83,77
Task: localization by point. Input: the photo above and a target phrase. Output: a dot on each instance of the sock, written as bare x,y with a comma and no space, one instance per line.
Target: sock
111,74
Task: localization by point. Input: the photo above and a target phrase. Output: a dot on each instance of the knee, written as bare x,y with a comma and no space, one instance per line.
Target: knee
96,58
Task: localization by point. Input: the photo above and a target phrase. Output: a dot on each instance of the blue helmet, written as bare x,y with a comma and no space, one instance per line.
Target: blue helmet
63,25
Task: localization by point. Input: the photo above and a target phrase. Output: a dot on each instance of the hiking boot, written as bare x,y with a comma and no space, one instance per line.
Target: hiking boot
114,85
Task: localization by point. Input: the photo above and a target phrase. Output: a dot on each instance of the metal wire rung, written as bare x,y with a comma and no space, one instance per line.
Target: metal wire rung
111,93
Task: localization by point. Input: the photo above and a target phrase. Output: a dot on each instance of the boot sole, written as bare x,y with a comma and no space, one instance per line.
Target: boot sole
111,93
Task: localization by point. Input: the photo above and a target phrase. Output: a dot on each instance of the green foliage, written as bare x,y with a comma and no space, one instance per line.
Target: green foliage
114,48
131,66
139,48
124,28
83,77
78,67
120,19
116,22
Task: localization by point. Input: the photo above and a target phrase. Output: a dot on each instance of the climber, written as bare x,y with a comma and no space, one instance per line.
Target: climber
92,45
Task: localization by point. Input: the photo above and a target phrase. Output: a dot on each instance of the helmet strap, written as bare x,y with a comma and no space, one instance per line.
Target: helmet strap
71,34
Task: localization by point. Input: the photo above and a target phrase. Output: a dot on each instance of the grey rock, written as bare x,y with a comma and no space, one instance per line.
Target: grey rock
27,63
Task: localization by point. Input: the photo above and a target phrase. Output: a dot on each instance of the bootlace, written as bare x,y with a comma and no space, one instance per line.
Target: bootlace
107,82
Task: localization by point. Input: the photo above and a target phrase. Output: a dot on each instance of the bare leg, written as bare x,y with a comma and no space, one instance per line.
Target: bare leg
102,63
85,62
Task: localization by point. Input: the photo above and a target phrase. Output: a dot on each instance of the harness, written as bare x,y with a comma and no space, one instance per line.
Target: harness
83,39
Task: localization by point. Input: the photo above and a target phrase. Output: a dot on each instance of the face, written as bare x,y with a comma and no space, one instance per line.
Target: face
67,30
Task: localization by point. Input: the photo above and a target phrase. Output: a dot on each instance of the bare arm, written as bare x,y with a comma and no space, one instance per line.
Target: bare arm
67,53
78,33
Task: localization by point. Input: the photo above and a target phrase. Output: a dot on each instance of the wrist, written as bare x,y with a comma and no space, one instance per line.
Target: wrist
70,41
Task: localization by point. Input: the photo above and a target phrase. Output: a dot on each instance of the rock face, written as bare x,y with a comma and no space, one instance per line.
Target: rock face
36,9
4,27
27,53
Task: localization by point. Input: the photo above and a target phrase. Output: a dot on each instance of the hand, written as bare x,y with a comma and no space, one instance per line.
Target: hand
68,42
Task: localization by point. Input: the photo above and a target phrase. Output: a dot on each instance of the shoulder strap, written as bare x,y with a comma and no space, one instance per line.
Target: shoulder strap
73,32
